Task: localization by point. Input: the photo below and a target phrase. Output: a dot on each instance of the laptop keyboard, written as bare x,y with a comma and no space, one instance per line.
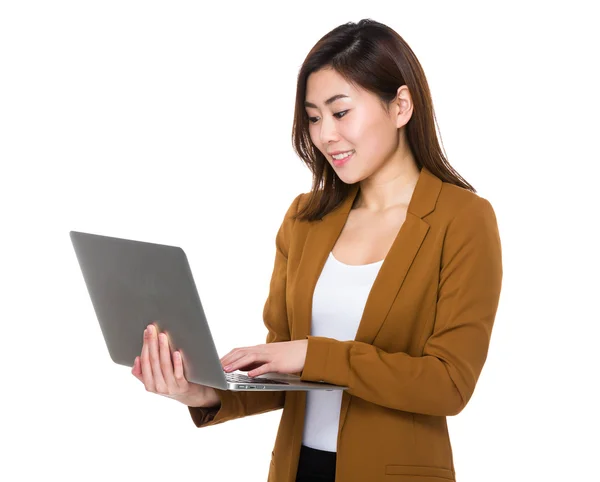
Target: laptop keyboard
239,378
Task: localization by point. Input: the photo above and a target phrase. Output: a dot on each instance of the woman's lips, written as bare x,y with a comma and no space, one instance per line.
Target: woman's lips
341,162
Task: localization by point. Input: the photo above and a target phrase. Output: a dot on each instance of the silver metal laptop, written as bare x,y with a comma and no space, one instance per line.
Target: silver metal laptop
133,283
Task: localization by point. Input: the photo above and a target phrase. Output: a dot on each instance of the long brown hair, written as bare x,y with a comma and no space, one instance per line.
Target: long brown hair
375,57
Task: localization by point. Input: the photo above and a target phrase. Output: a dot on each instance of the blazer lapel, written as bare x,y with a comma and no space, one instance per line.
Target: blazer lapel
320,241
395,267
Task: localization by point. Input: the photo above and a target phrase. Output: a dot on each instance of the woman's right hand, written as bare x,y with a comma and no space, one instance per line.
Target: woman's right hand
161,372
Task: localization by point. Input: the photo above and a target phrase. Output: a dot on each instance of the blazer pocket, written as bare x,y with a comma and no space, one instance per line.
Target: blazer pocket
425,474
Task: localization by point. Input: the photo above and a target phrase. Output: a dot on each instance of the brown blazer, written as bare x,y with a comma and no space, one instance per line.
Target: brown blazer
420,346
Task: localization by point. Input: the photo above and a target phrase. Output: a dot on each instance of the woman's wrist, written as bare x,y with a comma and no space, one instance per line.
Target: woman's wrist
206,398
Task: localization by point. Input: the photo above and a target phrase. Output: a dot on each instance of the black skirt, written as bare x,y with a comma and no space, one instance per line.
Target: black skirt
315,465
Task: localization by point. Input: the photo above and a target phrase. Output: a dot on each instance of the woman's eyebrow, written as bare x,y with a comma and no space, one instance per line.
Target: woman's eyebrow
327,102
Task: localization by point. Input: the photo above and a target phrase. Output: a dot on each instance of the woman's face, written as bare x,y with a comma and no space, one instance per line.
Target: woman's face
353,121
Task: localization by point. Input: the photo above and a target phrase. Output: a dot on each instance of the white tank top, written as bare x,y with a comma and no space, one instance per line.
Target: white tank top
338,303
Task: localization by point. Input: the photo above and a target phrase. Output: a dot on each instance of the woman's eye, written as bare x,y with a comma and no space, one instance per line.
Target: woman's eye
338,115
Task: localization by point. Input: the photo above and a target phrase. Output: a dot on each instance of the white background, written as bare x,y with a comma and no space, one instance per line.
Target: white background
170,122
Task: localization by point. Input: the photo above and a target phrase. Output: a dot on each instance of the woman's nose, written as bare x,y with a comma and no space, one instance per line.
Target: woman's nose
328,131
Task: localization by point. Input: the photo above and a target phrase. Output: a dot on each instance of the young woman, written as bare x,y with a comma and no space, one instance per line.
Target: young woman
387,278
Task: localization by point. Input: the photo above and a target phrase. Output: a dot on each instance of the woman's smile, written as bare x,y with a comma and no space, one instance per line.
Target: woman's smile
344,159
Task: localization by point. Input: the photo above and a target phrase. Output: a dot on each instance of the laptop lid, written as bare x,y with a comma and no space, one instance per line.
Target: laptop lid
132,284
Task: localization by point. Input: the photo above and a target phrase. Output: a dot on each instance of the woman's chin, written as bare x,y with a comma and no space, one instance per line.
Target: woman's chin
348,178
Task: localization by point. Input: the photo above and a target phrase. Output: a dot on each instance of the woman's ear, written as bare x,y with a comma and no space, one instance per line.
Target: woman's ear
403,106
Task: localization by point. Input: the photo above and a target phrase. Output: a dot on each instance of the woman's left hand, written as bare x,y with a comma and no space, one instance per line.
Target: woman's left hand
280,357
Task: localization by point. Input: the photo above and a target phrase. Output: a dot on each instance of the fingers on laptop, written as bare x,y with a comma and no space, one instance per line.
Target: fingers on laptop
160,370
171,368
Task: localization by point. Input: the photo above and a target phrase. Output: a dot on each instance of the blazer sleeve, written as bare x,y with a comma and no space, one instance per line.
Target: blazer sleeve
442,380
241,404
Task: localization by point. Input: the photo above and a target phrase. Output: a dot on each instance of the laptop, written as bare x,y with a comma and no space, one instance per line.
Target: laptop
133,283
